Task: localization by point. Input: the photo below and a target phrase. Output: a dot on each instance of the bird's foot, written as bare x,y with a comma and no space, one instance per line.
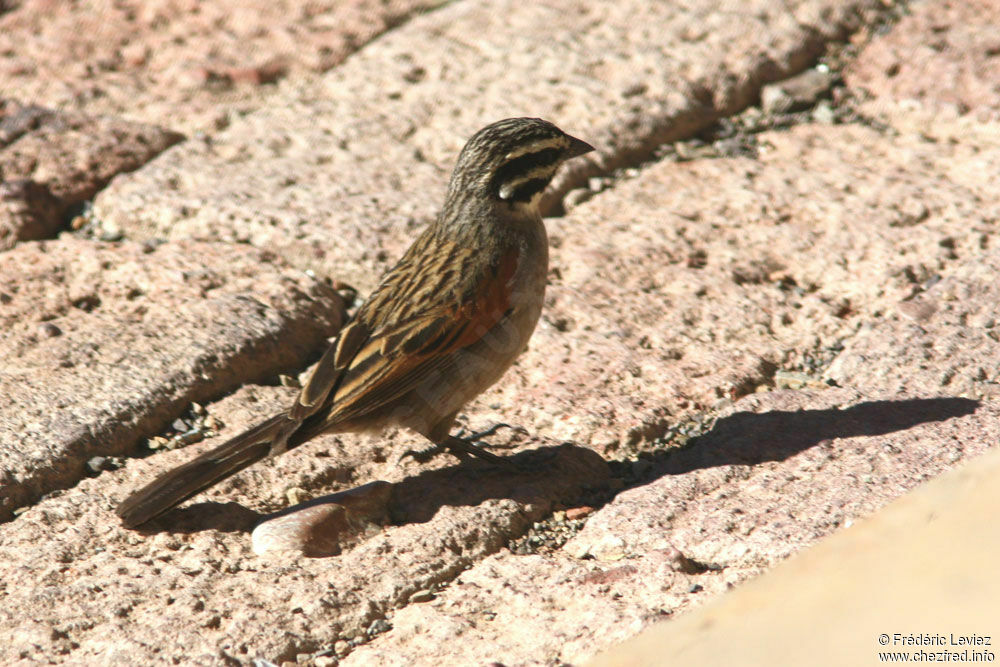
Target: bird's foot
463,447
422,455
478,435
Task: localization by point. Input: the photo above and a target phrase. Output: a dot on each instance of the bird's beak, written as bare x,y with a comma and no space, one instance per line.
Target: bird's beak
577,148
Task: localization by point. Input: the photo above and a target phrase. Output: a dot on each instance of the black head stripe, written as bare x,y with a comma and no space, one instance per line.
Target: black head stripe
523,165
526,190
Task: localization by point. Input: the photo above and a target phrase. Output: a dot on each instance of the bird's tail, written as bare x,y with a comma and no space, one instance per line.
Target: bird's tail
174,487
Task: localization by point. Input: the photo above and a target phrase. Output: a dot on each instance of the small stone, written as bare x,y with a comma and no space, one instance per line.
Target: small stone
49,330
135,55
911,213
576,513
576,197
679,562
324,526
157,442
97,464
415,75
422,596
296,495
269,72
824,114
795,380
799,92
379,627
920,310
609,549
774,100
637,88
111,235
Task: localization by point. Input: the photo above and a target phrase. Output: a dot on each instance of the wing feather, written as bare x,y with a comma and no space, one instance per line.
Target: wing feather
434,324
329,370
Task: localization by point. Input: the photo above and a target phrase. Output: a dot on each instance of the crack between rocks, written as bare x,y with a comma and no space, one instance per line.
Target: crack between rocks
703,119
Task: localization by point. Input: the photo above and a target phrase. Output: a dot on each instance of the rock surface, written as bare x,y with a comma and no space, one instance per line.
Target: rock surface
943,535
103,344
52,161
778,471
943,54
367,149
752,338
180,63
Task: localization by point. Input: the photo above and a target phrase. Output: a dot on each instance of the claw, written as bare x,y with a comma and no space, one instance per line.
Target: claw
421,455
478,435
462,447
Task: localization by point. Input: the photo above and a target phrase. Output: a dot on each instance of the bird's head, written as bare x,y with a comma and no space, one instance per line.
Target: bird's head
512,161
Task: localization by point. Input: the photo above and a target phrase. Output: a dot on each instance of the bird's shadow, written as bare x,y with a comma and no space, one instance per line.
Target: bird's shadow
568,473
748,438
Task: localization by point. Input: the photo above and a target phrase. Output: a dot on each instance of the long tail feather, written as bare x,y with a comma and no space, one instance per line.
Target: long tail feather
177,485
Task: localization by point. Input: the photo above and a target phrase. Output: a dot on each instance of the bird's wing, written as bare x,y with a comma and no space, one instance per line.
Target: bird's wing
434,302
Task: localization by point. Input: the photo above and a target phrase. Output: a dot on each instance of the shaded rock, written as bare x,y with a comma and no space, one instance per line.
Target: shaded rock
779,470
28,210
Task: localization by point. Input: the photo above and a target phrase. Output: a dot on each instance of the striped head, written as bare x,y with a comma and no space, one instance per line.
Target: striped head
511,162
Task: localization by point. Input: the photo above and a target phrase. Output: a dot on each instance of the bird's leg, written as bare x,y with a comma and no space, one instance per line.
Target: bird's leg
476,436
425,454
462,446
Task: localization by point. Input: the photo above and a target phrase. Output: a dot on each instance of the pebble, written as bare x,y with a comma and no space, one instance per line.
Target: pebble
324,526
576,513
422,596
97,463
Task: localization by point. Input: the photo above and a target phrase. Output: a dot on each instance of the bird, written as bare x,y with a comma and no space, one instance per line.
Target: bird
443,325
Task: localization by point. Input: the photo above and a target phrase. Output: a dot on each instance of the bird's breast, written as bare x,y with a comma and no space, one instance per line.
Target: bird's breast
527,285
